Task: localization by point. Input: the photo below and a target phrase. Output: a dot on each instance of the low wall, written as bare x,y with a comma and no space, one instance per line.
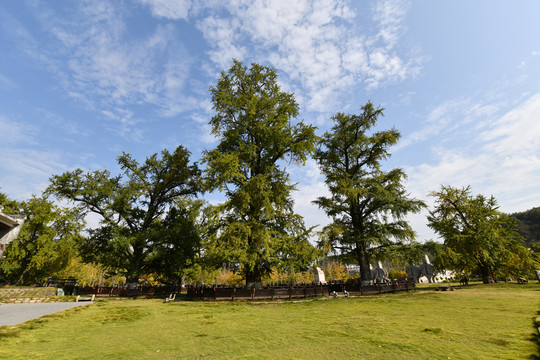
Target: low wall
27,295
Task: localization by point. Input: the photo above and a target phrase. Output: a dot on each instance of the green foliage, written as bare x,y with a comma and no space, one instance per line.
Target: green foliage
257,227
199,274
144,229
46,244
528,223
9,206
278,276
90,274
477,237
367,205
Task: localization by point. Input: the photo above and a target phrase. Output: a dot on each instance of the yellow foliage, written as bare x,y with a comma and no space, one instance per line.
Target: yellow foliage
335,271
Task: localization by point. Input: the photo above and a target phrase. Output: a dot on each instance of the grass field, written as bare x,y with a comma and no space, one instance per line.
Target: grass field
479,322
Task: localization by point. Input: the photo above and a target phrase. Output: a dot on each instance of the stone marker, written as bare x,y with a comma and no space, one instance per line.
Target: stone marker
319,276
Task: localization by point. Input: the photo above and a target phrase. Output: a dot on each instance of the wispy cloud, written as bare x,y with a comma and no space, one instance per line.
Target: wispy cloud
13,132
310,187
25,168
100,64
451,115
314,44
6,83
503,160
169,9
27,164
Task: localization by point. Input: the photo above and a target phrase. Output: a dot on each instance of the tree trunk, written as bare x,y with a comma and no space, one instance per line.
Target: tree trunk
21,278
363,261
132,282
486,276
253,279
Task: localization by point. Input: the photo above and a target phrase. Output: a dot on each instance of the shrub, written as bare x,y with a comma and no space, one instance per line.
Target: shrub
397,274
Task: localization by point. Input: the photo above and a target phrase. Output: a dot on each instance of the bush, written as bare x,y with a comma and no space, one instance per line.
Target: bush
397,274
335,271
289,277
228,277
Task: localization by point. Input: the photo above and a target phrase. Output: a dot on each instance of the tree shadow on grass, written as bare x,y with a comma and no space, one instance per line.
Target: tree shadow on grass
536,336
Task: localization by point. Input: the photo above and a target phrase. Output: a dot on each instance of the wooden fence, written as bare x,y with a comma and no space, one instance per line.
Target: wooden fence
148,291
243,293
294,291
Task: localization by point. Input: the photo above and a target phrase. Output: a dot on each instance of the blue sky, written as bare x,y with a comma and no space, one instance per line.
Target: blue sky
82,81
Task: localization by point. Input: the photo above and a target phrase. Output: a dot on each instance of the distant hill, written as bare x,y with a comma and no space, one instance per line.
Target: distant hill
529,226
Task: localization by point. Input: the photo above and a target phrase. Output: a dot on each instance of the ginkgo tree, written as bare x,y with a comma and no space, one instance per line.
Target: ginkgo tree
254,121
478,238
367,205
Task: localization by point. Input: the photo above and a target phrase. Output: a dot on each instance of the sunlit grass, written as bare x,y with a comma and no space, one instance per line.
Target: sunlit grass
478,322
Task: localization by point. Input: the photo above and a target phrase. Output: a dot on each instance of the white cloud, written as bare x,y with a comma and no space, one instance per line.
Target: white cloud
311,186
25,167
390,14
170,9
206,136
445,118
516,133
101,64
13,132
503,160
35,166
314,44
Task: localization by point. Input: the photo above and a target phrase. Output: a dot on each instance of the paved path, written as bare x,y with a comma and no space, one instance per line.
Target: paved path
13,314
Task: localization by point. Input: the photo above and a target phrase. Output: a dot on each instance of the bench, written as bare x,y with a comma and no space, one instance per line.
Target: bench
80,298
170,298
522,281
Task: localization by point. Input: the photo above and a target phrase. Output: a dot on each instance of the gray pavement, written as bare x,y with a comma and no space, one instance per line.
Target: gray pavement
13,314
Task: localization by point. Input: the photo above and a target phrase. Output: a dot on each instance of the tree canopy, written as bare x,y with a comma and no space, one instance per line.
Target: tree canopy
367,205
478,238
46,244
141,223
254,123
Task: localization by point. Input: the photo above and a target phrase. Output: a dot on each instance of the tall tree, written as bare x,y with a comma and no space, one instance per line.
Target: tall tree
140,219
46,244
367,205
478,238
254,124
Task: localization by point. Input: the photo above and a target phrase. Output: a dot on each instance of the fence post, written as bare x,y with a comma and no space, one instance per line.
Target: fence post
233,292
290,291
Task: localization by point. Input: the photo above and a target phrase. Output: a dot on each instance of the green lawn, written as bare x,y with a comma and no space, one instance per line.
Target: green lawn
480,322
